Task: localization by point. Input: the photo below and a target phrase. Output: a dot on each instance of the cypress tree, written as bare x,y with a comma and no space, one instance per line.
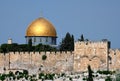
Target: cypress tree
67,43
82,37
90,78
30,44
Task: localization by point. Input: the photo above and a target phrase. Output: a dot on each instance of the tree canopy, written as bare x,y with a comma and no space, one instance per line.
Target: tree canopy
90,77
4,48
81,38
67,43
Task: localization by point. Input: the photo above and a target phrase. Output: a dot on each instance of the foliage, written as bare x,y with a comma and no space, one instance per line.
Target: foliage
109,44
9,47
4,48
20,75
10,74
44,57
49,76
33,79
25,72
84,78
41,47
108,79
106,72
82,38
118,77
63,74
23,47
0,49
70,78
67,43
46,76
41,75
30,44
2,77
90,77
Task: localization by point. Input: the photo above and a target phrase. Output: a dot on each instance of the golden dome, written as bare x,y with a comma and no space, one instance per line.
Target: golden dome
41,27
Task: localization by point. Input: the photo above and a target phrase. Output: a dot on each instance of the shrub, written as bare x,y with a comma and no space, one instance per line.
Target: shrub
108,79
84,78
17,72
44,57
41,75
106,72
2,77
10,74
63,74
25,72
70,78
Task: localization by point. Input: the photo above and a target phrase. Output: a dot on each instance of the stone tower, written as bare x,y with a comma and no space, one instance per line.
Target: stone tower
91,53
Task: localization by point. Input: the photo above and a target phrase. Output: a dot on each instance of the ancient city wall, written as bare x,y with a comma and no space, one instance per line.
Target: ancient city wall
55,62
114,59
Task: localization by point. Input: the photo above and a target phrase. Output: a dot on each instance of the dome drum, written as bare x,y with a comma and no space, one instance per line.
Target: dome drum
43,40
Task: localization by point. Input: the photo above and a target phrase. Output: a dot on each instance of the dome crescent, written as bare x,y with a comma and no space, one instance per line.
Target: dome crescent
41,27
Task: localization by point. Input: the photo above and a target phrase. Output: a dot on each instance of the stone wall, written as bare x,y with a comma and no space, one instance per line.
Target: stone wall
55,62
90,53
114,59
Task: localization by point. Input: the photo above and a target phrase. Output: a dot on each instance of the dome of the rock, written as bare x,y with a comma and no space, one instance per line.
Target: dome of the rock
41,31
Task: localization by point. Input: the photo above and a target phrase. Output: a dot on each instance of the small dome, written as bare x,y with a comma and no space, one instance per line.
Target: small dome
41,27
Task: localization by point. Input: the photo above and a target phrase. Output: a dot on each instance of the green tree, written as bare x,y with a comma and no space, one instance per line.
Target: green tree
30,45
23,47
0,49
108,78
41,75
90,78
67,43
25,72
13,47
2,77
72,43
9,47
4,48
41,47
81,38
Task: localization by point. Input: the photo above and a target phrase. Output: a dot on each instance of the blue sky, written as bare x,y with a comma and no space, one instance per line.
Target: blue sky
95,19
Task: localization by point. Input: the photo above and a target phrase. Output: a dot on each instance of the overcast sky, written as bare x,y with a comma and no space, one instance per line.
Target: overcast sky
95,19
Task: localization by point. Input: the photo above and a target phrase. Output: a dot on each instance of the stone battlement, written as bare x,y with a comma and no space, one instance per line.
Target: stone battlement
57,61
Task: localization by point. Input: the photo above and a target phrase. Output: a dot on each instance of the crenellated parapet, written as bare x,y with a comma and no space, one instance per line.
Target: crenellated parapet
32,61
